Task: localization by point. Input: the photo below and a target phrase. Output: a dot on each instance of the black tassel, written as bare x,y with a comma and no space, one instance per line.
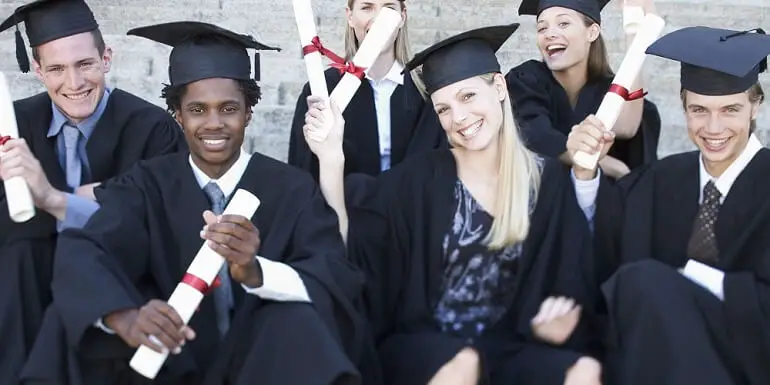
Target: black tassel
256,66
756,30
21,52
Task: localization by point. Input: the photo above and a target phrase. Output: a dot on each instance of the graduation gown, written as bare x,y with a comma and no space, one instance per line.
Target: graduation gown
99,270
130,129
712,342
397,226
546,116
413,123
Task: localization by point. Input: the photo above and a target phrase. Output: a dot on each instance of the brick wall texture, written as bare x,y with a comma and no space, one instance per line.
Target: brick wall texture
140,66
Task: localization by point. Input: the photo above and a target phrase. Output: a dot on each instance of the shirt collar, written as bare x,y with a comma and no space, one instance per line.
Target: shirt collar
230,179
394,74
87,126
726,180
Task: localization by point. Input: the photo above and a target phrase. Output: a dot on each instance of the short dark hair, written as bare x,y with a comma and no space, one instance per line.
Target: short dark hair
173,94
98,41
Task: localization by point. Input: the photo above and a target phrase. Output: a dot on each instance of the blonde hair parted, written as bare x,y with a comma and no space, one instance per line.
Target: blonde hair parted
518,181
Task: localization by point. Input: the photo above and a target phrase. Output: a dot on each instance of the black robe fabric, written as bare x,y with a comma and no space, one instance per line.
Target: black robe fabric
131,129
397,225
643,225
414,127
546,116
140,243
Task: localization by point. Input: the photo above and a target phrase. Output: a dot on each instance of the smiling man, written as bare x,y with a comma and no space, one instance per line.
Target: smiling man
691,299
283,312
73,136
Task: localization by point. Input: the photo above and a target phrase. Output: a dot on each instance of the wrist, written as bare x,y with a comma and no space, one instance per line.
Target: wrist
333,159
54,202
119,321
254,279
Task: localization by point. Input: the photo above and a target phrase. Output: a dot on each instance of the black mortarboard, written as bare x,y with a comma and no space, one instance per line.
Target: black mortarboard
47,20
462,56
590,8
203,51
715,61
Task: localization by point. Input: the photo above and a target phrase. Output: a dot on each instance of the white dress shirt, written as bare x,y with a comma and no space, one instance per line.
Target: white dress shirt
710,278
586,191
383,90
280,282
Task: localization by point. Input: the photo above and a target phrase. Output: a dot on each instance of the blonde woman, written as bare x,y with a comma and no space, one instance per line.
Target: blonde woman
477,257
555,93
391,119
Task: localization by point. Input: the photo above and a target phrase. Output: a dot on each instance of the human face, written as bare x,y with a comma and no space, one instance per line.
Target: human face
362,13
214,115
73,72
563,38
470,111
719,126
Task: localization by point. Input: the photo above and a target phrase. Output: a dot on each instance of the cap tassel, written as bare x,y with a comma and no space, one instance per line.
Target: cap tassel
757,30
21,52
256,67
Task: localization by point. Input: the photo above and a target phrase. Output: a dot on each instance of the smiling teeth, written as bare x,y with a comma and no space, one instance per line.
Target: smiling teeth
556,46
78,96
213,142
715,142
467,132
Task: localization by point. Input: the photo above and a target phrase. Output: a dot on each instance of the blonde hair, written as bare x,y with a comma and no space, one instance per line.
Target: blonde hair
402,47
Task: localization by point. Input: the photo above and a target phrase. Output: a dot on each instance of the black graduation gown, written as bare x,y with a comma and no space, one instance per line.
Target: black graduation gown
712,342
414,128
100,269
397,226
131,129
546,116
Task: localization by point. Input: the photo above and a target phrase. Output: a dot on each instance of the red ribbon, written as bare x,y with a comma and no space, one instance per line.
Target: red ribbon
625,94
4,139
199,284
350,68
337,61
316,46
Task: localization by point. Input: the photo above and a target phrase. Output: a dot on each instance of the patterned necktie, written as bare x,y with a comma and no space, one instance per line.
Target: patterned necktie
703,242
223,295
72,163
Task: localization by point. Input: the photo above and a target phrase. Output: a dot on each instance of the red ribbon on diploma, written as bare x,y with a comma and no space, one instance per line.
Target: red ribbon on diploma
4,139
337,61
625,94
199,284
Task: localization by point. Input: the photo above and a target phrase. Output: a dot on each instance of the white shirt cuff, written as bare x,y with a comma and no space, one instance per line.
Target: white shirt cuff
586,192
100,324
710,278
280,282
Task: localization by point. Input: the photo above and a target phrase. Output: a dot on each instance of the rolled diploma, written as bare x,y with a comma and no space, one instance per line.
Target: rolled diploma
303,13
185,299
612,104
633,16
383,28
21,208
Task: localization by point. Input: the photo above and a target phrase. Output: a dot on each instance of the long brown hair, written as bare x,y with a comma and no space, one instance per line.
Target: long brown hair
598,58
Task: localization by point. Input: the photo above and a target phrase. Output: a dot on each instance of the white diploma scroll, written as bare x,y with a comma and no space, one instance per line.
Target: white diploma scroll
629,70
21,208
633,17
185,299
303,13
383,28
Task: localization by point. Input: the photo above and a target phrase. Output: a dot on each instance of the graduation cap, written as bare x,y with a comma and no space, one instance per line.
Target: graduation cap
462,56
47,20
715,61
590,8
203,51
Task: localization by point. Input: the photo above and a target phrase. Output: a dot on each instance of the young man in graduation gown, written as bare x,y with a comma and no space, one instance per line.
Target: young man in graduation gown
690,301
283,312
74,136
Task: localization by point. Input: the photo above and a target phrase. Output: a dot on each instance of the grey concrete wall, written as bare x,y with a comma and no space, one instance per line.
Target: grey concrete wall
141,66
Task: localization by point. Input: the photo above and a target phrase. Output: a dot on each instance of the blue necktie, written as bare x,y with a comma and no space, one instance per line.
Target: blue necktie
73,166
223,295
